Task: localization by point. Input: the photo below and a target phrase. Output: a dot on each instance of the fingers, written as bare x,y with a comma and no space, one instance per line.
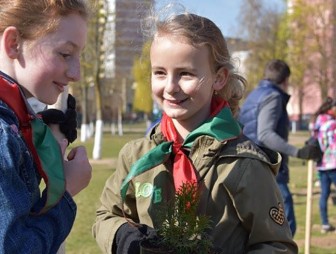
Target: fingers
78,170
77,151
63,144
72,154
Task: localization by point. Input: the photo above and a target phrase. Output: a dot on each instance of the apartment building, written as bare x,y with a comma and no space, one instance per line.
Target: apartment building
123,42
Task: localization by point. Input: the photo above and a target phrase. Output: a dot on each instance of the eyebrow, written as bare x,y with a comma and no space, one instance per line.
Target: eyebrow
177,68
72,44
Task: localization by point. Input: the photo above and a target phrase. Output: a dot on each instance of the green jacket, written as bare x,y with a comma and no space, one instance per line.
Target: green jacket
240,196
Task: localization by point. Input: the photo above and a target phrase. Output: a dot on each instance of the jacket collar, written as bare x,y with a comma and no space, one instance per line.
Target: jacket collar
240,147
269,84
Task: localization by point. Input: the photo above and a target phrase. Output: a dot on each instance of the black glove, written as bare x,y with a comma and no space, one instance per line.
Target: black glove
67,121
310,152
128,238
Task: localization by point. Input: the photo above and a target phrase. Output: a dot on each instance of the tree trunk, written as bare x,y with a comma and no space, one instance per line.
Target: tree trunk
96,153
85,116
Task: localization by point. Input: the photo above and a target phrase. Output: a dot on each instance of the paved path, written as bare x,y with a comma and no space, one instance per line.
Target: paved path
109,161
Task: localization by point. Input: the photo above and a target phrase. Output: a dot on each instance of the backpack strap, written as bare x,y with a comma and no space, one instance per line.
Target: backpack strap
40,141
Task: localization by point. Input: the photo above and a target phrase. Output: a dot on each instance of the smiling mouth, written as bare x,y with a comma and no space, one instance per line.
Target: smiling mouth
60,86
176,102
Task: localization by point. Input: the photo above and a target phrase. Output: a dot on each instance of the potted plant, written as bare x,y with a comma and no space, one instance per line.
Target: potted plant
182,230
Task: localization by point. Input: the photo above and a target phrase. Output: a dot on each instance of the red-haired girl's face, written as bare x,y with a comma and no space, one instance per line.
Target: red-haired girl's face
46,65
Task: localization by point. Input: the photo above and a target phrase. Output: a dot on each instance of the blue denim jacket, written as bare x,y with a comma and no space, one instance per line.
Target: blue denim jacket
20,230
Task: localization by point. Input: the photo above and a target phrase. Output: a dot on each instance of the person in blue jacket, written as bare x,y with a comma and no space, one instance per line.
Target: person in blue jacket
265,121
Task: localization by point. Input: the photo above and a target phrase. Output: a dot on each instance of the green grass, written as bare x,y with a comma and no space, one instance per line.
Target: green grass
80,239
111,144
320,243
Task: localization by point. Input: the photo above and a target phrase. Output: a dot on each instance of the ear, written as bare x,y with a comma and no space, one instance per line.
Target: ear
11,42
221,78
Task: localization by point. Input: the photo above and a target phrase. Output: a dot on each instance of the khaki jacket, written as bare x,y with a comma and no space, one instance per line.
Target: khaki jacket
240,195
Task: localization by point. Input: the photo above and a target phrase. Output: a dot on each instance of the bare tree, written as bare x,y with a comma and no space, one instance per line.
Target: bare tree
303,35
298,49
321,22
311,48
261,28
93,75
99,74
143,101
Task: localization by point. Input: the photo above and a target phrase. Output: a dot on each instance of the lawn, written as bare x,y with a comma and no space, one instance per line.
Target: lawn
80,239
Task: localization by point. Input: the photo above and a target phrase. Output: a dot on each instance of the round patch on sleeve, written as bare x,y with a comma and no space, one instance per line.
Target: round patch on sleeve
277,214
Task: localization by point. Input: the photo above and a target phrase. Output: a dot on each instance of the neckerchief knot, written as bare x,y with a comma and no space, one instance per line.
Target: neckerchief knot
220,125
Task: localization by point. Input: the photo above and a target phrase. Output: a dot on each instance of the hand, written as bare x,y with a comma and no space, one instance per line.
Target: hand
67,121
77,169
128,238
310,152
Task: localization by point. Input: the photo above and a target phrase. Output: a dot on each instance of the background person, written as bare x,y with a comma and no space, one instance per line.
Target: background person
265,120
314,127
325,131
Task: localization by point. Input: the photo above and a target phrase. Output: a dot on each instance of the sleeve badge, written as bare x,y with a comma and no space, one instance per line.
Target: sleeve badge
277,214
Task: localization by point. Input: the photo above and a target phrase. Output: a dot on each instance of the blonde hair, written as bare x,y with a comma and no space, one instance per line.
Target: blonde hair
36,18
199,31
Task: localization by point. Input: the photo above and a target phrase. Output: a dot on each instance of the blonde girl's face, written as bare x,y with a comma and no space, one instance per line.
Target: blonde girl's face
48,64
182,80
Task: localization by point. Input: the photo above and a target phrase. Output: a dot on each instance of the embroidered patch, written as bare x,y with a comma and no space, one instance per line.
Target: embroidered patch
277,214
143,189
147,190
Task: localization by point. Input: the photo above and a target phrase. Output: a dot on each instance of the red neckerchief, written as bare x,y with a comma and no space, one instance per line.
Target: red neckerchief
11,95
40,141
183,169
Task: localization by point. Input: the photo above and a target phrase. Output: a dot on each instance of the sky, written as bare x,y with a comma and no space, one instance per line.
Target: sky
225,13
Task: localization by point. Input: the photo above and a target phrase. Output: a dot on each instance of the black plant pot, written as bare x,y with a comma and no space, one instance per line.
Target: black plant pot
148,247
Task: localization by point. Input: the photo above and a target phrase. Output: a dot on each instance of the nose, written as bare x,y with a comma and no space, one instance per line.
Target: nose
73,72
172,85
